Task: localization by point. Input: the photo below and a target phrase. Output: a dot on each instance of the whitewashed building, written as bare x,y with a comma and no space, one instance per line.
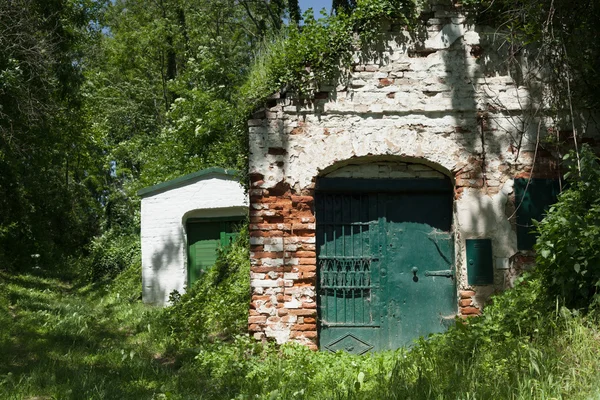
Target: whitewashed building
183,222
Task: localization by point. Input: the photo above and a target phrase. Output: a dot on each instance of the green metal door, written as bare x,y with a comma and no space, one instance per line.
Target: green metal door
205,237
385,262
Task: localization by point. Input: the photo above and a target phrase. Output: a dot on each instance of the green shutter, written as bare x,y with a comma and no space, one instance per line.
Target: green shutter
533,201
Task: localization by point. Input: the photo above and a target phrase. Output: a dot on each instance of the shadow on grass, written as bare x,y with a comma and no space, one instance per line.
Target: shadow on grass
55,342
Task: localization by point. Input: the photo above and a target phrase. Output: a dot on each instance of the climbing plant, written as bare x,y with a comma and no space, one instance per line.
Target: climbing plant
303,58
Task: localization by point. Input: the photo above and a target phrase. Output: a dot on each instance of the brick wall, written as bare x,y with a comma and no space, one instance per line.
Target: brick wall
445,105
283,264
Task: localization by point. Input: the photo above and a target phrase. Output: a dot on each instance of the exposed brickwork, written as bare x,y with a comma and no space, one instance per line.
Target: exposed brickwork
283,264
467,307
434,105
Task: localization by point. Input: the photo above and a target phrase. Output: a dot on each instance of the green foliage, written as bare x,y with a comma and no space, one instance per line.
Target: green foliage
101,343
216,306
568,256
110,254
304,58
561,35
47,202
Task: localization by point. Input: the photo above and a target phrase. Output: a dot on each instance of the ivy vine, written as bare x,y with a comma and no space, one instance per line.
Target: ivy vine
305,57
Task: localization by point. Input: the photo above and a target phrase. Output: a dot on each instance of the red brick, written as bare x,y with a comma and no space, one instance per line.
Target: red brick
385,81
466,294
257,319
304,327
259,233
309,320
304,312
309,305
307,261
270,233
470,311
305,254
261,269
310,334
302,199
280,204
267,254
465,302
303,227
255,328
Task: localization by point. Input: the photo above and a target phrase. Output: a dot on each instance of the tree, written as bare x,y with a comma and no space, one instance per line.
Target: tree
47,203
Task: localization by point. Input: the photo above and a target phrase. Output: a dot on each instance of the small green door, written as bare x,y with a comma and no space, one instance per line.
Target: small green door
385,262
205,236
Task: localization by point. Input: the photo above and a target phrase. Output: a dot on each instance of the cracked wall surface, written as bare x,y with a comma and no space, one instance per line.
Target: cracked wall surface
445,104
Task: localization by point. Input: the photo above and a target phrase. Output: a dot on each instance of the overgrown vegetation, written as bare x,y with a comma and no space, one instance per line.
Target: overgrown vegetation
100,342
569,257
66,342
215,308
126,93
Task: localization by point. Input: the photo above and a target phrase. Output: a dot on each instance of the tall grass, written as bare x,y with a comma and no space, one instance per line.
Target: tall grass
60,341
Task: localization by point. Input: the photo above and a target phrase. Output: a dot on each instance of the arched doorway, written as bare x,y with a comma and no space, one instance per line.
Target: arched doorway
385,255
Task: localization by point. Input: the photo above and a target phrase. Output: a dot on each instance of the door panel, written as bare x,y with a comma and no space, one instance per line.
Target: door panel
204,238
402,242
348,242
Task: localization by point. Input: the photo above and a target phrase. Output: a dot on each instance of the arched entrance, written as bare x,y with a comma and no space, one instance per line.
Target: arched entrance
385,255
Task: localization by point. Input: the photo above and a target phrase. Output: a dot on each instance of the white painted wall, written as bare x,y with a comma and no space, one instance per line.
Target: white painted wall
164,214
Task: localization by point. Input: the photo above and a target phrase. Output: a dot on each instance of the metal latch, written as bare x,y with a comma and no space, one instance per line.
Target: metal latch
448,273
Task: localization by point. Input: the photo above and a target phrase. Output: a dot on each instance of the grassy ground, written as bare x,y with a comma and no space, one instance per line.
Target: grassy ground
61,341
58,341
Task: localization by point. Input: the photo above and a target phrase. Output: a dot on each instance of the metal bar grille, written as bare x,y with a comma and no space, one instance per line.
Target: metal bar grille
345,285
345,233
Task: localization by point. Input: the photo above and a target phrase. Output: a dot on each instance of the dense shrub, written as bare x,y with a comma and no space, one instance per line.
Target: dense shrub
216,306
568,254
110,254
517,349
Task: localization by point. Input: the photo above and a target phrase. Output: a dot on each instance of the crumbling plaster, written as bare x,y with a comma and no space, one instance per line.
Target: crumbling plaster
448,102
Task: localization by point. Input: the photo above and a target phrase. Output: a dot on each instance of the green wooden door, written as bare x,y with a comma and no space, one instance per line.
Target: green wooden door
385,262
205,237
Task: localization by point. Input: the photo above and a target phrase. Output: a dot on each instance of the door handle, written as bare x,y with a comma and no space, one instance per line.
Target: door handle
447,273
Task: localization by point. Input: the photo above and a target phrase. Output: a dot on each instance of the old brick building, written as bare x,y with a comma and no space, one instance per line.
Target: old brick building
398,199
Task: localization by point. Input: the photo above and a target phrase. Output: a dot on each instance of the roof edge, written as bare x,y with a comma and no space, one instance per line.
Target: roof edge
183,179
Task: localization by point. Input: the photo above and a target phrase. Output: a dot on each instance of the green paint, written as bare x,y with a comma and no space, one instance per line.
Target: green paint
386,267
205,237
480,264
533,198
183,180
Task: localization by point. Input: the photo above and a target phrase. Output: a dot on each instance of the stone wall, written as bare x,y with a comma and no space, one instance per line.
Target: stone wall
441,105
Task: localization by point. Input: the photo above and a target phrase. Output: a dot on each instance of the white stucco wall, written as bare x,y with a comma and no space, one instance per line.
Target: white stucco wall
164,215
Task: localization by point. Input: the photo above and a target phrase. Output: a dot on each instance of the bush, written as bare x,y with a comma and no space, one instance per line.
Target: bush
568,254
110,254
216,307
